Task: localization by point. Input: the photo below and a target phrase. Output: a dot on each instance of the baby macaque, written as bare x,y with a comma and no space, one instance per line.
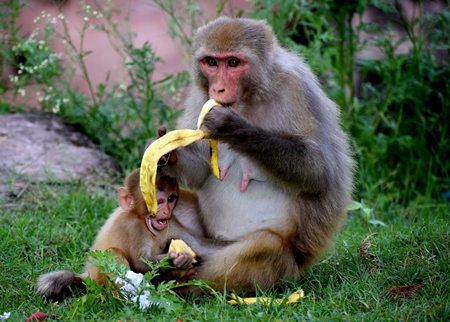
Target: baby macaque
131,233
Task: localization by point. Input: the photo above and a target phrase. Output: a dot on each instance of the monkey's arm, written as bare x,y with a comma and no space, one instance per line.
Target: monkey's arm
202,246
291,158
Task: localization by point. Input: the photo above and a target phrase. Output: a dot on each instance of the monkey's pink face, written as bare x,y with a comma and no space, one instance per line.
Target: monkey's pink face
166,203
224,72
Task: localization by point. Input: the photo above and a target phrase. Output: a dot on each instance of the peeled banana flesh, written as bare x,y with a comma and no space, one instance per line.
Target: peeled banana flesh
179,246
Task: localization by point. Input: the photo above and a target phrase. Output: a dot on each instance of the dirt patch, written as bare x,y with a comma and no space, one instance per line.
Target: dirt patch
41,147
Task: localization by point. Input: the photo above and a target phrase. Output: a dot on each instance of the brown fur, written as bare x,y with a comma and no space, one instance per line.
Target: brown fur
280,122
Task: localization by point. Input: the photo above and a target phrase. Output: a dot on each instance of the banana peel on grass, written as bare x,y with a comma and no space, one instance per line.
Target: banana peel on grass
293,298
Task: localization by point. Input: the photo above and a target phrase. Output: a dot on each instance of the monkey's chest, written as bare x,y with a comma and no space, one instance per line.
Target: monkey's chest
229,213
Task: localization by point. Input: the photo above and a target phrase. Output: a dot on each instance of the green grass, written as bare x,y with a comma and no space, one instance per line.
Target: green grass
51,226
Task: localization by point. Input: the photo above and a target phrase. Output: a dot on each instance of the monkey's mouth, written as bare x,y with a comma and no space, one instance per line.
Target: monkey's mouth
156,225
229,105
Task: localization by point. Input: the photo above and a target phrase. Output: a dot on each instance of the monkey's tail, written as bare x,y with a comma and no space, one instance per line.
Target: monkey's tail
55,285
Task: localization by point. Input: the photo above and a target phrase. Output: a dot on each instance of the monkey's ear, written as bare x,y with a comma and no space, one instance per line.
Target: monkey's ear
125,199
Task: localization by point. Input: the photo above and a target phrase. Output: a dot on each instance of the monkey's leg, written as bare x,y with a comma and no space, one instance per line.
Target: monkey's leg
260,260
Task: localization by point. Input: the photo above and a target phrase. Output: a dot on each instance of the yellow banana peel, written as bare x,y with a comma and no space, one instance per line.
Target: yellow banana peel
214,157
293,298
154,152
167,143
213,144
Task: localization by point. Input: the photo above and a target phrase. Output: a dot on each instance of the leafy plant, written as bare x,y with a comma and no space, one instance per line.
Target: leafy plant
398,112
146,294
120,117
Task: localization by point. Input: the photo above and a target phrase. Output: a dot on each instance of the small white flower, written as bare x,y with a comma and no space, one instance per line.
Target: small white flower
61,16
86,19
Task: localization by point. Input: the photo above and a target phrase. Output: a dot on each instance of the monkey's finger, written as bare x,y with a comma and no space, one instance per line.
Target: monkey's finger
182,260
162,130
165,144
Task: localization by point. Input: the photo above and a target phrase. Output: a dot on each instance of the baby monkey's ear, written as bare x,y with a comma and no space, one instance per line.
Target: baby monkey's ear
125,199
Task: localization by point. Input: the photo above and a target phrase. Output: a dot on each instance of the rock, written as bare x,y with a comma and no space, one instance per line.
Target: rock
43,147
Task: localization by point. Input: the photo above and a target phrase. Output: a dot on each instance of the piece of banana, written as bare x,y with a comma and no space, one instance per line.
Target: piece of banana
178,246
165,144
213,144
293,298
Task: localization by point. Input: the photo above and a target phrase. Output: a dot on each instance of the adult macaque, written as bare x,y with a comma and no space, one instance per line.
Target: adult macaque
288,164
131,233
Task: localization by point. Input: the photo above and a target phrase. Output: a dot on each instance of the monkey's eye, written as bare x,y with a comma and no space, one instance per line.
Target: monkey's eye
233,62
172,198
210,61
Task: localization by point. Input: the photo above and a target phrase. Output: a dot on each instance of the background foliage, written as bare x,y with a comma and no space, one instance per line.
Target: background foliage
398,112
395,106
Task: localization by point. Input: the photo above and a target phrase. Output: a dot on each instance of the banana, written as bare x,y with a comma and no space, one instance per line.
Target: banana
205,110
293,298
213,144
214,157
167,143
154,152
178,246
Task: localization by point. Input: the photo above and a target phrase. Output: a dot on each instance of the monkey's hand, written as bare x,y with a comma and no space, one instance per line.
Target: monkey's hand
224,122
182,261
